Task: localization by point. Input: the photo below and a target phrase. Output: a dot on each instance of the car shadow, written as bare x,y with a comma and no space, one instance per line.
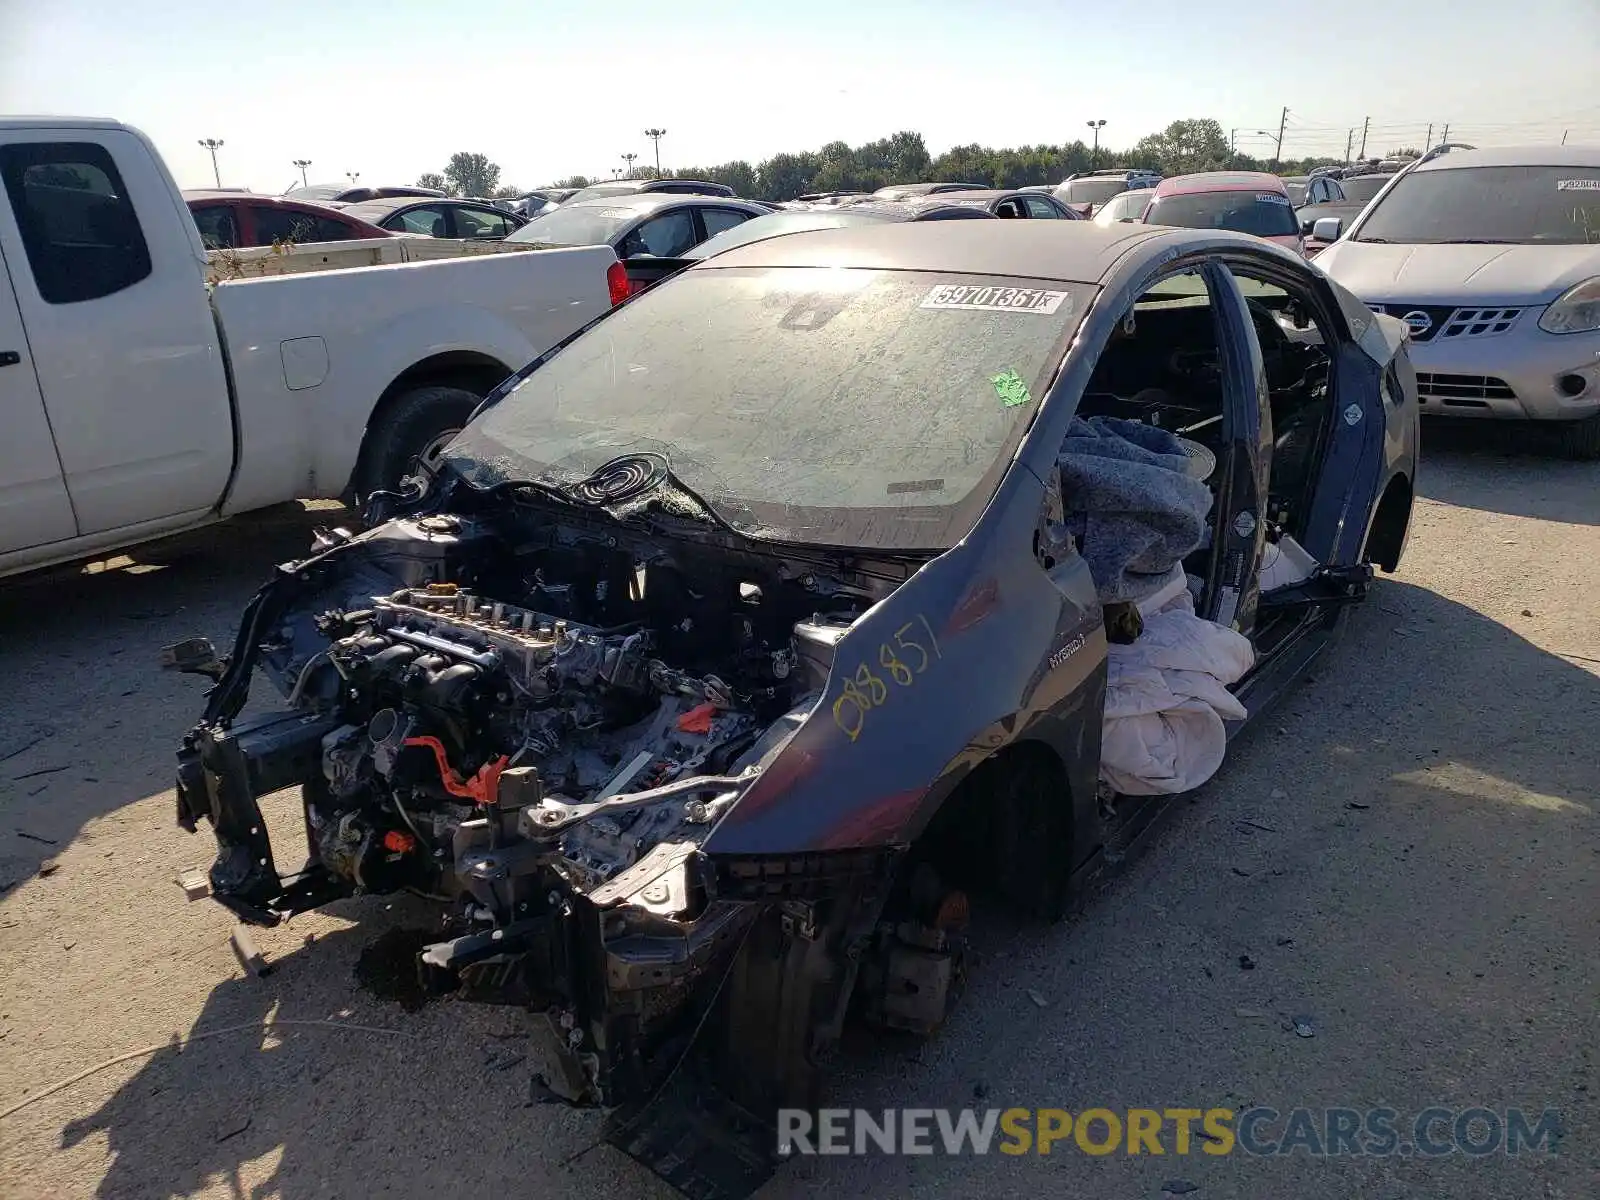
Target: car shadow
1405,783
89,722
299,1084
1507,467
1383,857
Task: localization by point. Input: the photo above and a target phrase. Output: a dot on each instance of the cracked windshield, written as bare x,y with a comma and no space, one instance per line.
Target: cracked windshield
846,407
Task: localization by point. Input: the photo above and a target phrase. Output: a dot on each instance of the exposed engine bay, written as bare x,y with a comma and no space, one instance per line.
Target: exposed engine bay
458,703
538,729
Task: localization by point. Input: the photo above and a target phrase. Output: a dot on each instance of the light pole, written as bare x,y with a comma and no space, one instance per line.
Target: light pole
655,135
1097,126
213,145
303,163
628,159
352,176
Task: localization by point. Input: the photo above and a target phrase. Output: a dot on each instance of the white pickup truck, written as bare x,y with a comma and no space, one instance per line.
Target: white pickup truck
137,401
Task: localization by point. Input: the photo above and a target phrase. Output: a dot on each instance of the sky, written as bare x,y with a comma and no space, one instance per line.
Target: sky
392,89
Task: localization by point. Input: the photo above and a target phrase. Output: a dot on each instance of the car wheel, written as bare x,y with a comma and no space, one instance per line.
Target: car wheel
416,426
1580,439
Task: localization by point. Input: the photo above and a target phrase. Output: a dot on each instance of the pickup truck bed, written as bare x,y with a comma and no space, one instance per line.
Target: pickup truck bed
141,400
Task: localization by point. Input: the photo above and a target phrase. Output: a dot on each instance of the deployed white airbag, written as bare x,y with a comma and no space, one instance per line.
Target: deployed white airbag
1166,699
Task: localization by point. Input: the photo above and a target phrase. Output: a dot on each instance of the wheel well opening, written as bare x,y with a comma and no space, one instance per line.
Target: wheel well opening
1386,541
1005,832
465,369
469,370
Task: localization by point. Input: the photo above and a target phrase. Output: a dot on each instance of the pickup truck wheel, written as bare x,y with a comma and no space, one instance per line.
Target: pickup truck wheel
1580,439
418,425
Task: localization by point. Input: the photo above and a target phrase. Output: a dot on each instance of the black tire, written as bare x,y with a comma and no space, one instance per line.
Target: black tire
406,427
1579,439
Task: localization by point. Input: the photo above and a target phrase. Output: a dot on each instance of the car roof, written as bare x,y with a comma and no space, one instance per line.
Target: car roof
385,206
1515,156
896,191
24,121
194,195
980,194
649,202
1220,181
871,212
1075,251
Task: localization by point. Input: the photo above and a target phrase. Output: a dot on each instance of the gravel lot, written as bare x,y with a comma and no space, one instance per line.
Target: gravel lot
1407,850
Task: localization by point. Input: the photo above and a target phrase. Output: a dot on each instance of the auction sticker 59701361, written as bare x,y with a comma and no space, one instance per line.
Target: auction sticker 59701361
993,299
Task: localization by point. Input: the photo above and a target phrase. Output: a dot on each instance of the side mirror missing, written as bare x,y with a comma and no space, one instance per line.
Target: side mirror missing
1327,229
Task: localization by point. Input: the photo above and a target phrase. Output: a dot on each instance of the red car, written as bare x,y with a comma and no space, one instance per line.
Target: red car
230,220
1243,201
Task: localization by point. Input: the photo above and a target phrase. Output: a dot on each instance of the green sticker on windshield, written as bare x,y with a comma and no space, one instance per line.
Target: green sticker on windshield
1011,388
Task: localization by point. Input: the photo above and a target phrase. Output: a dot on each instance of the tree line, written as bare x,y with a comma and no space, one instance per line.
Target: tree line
1179,149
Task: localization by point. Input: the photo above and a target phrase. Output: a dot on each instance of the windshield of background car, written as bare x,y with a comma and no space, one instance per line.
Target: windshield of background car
605,189
1091,191
1515,204
1129,206
757,228
1264,214
1297,192
576,225
841,407
1362,188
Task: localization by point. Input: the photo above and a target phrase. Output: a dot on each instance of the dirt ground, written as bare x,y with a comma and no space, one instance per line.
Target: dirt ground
1407,851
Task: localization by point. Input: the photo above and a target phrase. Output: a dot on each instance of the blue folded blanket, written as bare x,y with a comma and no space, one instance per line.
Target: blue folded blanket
1130,503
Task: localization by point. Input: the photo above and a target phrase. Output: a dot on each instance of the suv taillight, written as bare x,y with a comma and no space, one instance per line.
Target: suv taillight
617,282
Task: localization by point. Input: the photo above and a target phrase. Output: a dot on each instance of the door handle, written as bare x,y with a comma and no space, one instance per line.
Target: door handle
9,358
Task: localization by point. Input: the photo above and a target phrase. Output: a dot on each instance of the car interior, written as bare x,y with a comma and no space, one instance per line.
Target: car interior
1163,367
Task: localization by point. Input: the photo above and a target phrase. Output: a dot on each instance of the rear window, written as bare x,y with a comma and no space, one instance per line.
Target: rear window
757,228
580,225
604,189
1363,187
1264,214
1091,191
836,406
1514,204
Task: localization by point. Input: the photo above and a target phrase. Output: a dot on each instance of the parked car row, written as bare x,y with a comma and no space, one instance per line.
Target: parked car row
1505,357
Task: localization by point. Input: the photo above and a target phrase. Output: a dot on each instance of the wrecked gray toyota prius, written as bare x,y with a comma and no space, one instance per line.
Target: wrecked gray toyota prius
742,639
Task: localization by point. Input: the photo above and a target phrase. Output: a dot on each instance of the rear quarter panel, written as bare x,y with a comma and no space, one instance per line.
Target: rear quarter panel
311,354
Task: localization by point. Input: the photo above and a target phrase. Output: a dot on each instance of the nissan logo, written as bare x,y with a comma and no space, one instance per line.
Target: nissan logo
1418,322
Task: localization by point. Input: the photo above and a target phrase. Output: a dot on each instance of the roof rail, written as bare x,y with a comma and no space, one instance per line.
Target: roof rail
1442,148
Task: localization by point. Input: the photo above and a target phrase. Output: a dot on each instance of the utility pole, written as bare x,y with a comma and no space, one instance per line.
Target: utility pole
1365,125
1283,122
655,135
1097,126
303,163
213,145
353,176
1428,145
1445,136
1349,140
628,158
1564,133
